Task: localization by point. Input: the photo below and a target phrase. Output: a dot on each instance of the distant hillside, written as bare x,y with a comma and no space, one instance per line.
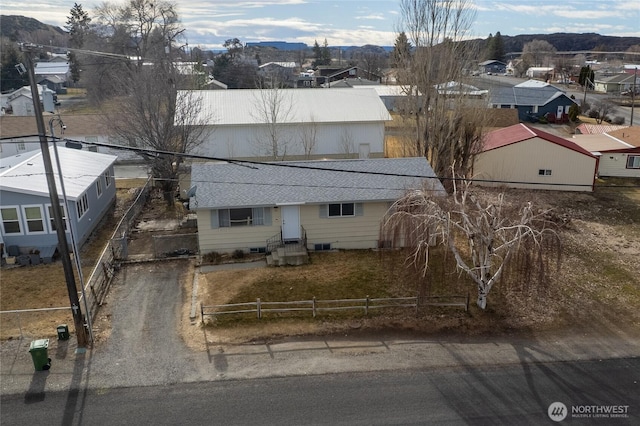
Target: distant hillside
572,42
23,29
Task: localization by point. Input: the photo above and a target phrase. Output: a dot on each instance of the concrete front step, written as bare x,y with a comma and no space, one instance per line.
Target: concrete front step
282,257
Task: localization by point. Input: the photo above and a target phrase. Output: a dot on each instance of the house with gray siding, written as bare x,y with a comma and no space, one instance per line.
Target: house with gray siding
25,207
333,204
533,99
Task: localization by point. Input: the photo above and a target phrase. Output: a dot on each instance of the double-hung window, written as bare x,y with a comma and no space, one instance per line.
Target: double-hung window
52,224
10,220
341,210
256,216
34,218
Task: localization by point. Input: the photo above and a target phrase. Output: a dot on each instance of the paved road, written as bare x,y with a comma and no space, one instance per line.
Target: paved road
513,394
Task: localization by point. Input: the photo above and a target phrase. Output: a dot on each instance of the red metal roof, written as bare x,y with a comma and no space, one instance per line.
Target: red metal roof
521,132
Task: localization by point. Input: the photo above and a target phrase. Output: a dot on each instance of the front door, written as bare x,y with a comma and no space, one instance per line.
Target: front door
290,222
559,112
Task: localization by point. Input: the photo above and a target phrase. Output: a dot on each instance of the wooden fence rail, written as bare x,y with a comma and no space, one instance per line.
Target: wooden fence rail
315,306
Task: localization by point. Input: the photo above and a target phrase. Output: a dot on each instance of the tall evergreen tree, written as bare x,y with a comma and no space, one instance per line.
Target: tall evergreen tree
78,27
401,51
10,78
495,47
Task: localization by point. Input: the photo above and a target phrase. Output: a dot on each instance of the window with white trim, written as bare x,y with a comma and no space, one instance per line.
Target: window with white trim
107,177
99,187
82,205
34,218
633,162
10,220
21,146
52,225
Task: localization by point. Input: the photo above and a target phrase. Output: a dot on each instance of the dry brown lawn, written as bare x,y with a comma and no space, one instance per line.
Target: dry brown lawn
596,287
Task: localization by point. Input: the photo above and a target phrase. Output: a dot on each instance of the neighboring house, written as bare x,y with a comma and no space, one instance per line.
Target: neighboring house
617,156
597,129
333,74
20,103
329,204
395,98
615,84
351,82
525,157
55,83
49,69
340,123
545,73
25,206
533,99
276,73
492,66
455,89
20,134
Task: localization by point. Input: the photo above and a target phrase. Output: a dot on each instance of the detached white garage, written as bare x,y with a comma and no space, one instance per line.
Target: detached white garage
520,156
292,124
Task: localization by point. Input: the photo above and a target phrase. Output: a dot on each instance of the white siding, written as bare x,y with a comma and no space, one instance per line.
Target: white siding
520,162
336,139
615,164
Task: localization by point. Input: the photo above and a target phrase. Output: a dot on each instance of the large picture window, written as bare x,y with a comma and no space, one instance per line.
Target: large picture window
34,218
10,220
242,217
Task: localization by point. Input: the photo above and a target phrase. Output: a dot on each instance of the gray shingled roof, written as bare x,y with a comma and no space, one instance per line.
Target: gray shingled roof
228,185
523,95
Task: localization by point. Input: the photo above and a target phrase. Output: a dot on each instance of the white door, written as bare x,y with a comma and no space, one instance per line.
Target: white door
290,222
559,112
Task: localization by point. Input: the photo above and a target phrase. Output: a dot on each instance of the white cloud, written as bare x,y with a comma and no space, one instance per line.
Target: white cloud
379,17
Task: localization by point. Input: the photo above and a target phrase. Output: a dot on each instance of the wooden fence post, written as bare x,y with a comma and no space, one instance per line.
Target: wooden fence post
366,305
258,308
201,314
313,306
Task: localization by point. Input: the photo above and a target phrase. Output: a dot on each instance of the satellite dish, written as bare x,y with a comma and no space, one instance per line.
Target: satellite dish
192,191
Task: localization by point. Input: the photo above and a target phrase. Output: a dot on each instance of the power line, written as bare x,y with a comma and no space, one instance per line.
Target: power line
257,164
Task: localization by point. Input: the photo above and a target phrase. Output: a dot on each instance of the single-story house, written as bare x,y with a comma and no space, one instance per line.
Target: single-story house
618,155
25,206
533,99
597,129
329,204
333,74
540,72
455,89
340,123
521,156
492,66
20,134
20,103
55,83
48,69
615,84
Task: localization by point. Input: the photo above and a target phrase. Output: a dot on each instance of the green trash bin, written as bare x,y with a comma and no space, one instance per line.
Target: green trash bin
38,350
63,332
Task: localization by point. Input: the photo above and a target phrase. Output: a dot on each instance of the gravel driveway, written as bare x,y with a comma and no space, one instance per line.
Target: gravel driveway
144,345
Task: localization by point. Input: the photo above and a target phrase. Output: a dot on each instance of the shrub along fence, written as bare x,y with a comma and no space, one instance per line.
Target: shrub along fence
315,306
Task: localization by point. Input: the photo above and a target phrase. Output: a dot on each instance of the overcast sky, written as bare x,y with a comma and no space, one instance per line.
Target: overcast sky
355,22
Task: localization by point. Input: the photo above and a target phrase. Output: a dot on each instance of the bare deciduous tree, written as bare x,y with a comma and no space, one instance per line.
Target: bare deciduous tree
538,53
443,125
601,109
483,235
309,137
157,116
274,107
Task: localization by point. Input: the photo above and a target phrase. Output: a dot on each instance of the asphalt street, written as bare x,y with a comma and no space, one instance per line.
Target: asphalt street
514,394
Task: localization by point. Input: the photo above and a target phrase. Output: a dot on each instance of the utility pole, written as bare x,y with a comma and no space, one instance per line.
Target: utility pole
633,94
78,319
